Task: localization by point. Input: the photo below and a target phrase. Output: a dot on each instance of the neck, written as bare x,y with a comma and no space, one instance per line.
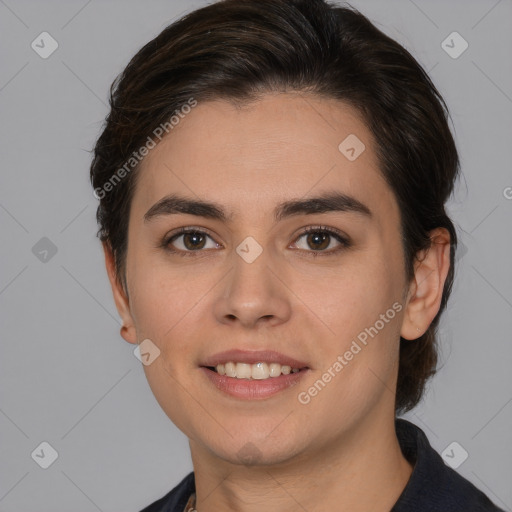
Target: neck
365,470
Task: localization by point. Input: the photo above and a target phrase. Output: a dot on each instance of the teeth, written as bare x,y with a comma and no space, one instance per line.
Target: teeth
230,369
274,369
257,371
243,371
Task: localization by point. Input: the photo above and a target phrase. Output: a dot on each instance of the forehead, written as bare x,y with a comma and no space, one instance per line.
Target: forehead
253,157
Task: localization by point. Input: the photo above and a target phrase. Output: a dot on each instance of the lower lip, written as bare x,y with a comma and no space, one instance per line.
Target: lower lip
253,389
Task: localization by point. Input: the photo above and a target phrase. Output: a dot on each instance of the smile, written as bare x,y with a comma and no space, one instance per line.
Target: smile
256,371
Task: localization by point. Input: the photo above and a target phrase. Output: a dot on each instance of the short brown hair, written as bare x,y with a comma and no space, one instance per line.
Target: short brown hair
239,49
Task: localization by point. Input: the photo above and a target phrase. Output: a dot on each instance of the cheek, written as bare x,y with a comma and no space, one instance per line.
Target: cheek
353,297
358,362
362,307
157,294
166,308
167,305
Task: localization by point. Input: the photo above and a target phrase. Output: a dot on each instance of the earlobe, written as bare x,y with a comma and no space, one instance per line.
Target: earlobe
427,285
127,331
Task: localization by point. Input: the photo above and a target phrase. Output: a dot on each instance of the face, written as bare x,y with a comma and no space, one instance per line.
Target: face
251,285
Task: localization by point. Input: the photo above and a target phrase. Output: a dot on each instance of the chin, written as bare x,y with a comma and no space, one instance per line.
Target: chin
252,454
254,447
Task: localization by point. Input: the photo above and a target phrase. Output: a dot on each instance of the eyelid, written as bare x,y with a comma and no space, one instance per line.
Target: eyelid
322,228
189,229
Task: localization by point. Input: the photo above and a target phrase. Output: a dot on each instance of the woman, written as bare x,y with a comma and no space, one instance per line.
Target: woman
272,179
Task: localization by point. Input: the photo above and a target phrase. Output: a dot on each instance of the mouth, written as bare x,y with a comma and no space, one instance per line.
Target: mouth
253,375
255,371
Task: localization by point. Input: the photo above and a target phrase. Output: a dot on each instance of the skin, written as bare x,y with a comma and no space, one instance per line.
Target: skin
340,450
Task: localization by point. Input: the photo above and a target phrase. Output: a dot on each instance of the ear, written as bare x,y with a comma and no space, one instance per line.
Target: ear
426,288
128,331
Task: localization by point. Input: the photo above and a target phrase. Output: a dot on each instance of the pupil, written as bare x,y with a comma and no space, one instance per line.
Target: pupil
195,237
319,238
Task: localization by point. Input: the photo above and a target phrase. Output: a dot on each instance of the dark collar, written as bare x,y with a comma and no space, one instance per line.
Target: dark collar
432,487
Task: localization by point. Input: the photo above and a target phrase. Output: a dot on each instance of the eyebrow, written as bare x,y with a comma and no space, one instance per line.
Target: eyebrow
327,202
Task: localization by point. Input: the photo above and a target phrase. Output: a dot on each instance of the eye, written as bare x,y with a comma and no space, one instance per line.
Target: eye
320,239
192,240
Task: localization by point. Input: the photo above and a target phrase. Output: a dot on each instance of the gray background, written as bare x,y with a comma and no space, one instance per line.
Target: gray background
66,375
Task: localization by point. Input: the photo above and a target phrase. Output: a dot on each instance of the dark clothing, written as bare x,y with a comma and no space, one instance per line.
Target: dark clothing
432,487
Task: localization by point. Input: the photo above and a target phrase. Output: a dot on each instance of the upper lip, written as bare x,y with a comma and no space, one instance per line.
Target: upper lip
252,357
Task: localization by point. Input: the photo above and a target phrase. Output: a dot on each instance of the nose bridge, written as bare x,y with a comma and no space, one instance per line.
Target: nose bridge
252,291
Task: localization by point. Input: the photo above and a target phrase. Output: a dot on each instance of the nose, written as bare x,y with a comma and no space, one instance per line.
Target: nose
254,293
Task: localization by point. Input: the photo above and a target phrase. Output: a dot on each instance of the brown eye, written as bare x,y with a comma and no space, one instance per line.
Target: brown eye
319,239
187,241
193,240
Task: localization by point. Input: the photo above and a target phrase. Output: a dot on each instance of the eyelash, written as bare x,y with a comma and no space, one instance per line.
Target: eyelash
345,243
